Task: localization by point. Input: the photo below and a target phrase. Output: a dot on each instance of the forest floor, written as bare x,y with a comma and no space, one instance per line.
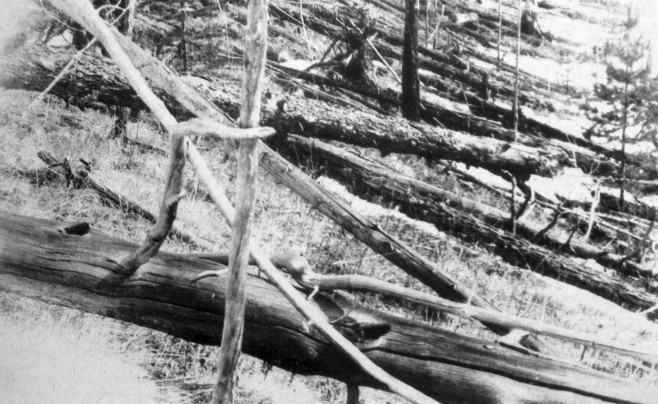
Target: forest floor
80,357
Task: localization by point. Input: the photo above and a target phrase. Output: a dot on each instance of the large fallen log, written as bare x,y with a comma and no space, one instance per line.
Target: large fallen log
324,21
184,100
453,117
43,260
34,67
170,86
369,172
473,222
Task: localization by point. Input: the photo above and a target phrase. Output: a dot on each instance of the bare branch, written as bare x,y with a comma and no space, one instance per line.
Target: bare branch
305,276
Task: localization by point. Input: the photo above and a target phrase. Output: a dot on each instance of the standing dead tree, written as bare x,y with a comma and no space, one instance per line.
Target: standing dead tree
410,99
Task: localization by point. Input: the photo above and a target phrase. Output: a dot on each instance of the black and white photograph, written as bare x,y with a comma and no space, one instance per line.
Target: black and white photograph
328,201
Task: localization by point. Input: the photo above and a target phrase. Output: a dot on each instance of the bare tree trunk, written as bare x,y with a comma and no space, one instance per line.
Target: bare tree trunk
254,61
125,25
410,82
515,105
624,123
500,29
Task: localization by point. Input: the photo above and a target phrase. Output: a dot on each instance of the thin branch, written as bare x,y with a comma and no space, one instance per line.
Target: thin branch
592,212
57,78
527,202
542,232
379,55
304,275
168,206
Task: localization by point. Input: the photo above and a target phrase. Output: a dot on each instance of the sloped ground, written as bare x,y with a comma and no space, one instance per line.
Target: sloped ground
284,222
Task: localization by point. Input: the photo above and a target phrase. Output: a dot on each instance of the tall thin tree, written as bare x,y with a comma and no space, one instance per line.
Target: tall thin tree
410,82
500,29
515,105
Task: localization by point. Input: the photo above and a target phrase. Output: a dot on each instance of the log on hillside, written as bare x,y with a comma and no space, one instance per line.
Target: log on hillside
323,21
452,117
34,67
402,188
448,66
170,86
424,202
38,259
493,110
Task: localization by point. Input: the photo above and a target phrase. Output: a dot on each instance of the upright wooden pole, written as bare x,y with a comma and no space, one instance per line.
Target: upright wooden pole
500,29
515,106
254,63
410,99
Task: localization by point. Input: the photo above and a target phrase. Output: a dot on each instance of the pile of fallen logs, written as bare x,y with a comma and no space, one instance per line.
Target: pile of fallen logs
412,353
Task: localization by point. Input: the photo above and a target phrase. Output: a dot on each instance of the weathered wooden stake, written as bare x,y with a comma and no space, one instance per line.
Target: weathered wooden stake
254,63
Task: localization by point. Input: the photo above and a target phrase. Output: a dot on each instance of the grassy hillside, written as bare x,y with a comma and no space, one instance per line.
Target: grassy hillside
140,365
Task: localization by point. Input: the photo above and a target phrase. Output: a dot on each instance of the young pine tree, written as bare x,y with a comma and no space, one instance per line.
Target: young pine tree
629,87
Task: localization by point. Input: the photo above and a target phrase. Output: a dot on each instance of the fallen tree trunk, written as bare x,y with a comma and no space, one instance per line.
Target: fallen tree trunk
451,118
455,215
531,124
455,119
40,260
324,21
187,101
34,68
393,184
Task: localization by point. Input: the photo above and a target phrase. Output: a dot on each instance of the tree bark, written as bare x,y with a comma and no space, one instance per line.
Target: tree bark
410,98
41,261
252,86
454,118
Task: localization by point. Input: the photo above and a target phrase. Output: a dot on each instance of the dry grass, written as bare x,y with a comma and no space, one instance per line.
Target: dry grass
179,371
284,223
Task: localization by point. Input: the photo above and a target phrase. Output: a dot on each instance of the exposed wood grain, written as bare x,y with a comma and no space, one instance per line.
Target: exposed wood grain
255,43
39,261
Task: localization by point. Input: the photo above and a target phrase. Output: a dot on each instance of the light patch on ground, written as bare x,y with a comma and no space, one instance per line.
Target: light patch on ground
572,184
606,318
49,364
12,18
371,209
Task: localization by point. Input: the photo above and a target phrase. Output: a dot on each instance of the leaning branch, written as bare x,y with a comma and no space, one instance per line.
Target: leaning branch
305,276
